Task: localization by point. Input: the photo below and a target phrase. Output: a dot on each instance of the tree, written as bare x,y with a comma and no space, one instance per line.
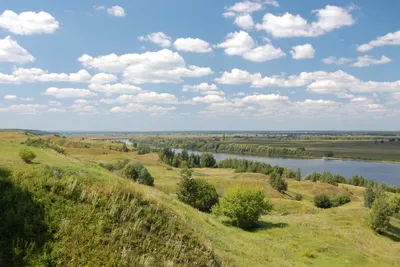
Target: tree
394,203
369,196
184,155
329,154
27,155
380,212
124,148
145,177
298,175
207,160
243,206
322,201
196,193
278,182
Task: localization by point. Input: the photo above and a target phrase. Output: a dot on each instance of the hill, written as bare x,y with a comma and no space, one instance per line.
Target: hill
76,213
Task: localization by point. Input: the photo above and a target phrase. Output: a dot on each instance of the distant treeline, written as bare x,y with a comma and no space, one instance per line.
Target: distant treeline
204,145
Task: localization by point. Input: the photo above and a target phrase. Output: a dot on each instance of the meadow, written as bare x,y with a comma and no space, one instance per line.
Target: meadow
295,233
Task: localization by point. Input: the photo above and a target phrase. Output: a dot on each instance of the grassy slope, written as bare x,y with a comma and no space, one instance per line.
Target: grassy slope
339,236
78,214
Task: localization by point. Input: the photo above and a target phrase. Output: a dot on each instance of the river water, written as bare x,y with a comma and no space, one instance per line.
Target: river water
381,172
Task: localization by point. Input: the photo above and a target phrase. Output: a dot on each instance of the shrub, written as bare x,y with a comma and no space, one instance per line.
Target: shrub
380,212
329,154
369,196
4,172
243,206
309,253
107,166
298,197
196,193
394,203
207,160
322,201
120,164
278,182
340,200
138,173
27,155
145,177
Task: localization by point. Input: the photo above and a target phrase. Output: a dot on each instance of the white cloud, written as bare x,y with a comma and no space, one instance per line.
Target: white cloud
150,97
21,75
237,76
241,44
25,108
11,51
10,97
392,38
337,61
305,51
200,87
27,23
102,78
26,99
81,102
365,61
54,103
359,99
263,99
245,21
250,6
228,14
163,66
195,45
68,92
57,110
118,88
99,7
288,25
108,101
158,38
116,11
153,110
208,99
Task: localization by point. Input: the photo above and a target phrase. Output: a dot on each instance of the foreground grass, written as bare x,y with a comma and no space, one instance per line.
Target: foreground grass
294,234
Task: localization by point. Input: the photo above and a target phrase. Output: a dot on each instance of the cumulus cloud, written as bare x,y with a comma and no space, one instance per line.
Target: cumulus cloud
153,110
194,45
263,99
237,76
68,92
163,66
158,38
200,87
22,75
118,88
11,51
366,61
288,25
27,23
392,38
25,108
102,78
242,44
10,97
337,61
116,11
305,51
244,21
208,99
149,97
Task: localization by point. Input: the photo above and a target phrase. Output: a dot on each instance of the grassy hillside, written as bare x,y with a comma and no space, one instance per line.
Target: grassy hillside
67,212
93,217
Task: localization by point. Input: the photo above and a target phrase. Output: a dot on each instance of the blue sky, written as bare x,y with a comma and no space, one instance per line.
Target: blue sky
200,65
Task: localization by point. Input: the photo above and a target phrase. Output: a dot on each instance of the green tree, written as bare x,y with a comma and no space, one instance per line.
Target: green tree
144,177
369,197
196,193
329,154
27,155
380,212
243,206
394,203
298,175
184,155
278,182
207,160
322,201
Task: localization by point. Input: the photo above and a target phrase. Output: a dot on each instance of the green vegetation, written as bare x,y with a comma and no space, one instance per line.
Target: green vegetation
243,206
380,212
27,155
90,216
41,143
278,182
196,193
324,202
369,196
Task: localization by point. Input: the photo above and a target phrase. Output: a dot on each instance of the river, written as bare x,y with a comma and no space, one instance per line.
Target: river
382,172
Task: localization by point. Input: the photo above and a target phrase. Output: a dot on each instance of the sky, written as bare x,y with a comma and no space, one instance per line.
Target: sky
181,65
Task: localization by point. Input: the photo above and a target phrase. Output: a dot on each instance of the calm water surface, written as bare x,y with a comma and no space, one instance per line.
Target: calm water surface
382,172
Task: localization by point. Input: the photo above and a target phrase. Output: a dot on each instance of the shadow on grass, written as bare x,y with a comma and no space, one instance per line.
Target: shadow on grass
262,225
23,231
393,233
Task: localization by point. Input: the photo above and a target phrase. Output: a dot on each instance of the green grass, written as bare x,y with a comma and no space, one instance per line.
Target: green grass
89,227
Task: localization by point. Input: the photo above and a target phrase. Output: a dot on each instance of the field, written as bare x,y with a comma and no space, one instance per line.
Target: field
295,233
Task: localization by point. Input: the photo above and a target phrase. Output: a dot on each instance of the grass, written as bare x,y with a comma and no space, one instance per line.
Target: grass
295,233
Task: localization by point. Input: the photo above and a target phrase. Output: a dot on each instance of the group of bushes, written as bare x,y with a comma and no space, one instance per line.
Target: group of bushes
243,206
324,202
134,171
44,144
382,207
183,159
